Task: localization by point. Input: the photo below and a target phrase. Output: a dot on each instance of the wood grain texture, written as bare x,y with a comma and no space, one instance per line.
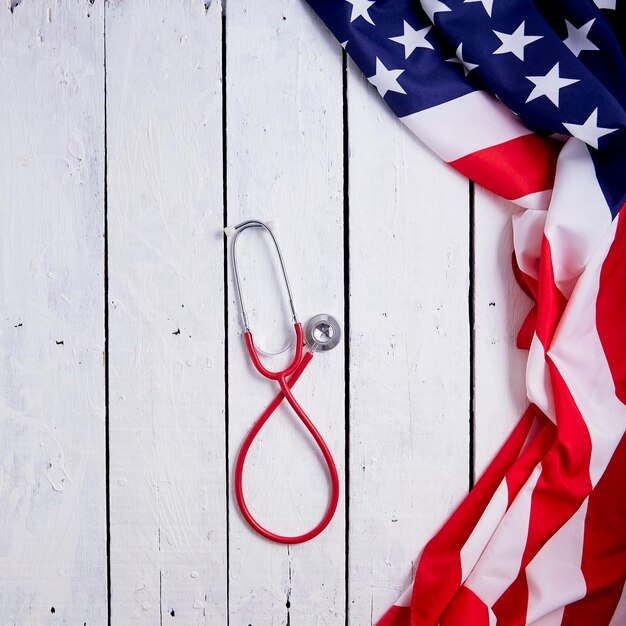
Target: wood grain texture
52,478
409,353
166,331
500,308
284,139
181,391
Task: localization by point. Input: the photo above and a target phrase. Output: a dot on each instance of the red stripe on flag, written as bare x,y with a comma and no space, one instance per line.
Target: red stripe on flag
521,470
514,168
563,485
564,481
527,330
530,287
466,609
610,307
604,547
438,575
551,302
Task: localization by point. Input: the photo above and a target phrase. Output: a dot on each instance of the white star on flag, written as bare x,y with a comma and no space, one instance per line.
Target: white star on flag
605,4
549,85
515,42
385,80
360,8
412,39
467,66
488,4
589,132
433,6
577,38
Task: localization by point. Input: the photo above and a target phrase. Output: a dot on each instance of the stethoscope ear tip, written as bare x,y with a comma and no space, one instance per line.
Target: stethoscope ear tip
229,231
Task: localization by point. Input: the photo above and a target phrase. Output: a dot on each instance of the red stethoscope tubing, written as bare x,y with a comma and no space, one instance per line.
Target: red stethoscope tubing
286,379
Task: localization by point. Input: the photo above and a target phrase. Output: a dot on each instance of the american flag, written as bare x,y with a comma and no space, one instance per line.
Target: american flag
527,98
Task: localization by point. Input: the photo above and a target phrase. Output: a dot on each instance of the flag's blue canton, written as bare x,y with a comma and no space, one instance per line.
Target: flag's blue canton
607,62
564,75
567,93
427,78
525,33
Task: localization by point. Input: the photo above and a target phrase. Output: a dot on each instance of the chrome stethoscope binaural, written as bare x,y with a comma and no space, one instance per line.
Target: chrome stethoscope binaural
321,333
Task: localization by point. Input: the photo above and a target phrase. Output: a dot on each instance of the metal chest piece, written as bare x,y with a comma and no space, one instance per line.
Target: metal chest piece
322,333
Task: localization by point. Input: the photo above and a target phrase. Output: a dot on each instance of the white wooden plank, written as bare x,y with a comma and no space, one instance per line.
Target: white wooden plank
409,351
52,468
167,445
284,146
500,307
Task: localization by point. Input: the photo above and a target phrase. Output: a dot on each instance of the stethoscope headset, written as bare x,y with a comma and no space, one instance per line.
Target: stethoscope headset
320,334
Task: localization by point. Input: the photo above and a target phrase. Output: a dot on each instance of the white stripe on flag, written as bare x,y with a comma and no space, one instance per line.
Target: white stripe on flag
527,237
554,576
538,201
551,619
577,352
578,215
464,125
483,531
538,381
500,562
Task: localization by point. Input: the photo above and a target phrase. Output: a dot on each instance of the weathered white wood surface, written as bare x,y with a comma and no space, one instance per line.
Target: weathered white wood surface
166,326
500,307
52,407
409,365
159,501
284,147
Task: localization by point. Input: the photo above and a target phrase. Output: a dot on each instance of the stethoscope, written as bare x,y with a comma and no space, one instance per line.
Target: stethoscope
321,333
